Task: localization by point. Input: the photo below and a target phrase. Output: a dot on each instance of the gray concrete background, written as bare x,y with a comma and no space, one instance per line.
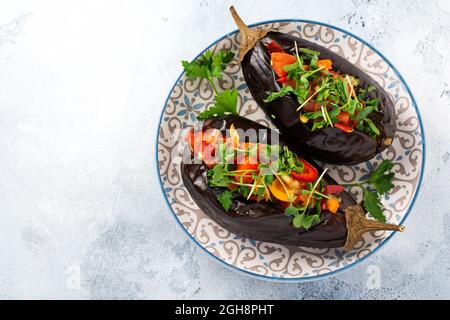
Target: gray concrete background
82,86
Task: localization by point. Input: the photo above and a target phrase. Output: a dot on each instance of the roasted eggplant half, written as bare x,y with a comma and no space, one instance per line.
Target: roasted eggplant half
318,100
245,177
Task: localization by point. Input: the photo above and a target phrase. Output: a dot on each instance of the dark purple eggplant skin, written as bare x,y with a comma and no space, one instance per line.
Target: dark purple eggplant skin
264,221
330,145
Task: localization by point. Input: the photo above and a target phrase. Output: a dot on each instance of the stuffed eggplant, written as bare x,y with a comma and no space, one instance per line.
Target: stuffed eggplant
263,190
319,101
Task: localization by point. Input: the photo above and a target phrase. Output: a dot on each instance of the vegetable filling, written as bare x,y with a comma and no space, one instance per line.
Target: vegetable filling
326,98
264,172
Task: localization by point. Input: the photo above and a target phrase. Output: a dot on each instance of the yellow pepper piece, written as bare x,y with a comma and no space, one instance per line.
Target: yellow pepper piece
279,192
304,118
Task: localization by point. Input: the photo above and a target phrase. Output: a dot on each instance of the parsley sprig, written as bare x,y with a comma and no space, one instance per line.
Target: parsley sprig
377,184
210,66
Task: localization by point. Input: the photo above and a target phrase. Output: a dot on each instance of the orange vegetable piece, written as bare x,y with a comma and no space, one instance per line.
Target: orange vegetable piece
333,204
279,192
280,60
328,64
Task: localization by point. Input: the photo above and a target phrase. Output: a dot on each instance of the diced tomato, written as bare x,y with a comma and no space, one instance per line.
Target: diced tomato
203,145
328,64
280,60
309,173
344,127
343,117
333,189
247,177
273,46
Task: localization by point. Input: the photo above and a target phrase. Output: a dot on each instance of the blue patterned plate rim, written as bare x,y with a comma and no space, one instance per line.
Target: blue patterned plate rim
351,265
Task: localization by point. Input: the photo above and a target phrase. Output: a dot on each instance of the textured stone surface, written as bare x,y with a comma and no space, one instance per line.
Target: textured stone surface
82,89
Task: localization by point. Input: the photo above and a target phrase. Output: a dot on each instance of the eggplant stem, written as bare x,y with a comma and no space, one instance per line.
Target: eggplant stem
249,37
358,224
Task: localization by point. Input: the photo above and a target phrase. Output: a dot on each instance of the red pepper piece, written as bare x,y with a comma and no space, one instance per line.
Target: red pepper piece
344,127
333,189
309,173
282,80
343,117
273,46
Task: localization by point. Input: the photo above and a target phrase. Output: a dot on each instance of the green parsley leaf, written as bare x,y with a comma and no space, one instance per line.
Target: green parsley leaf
244,191
309,52
384,183
305,221
217,176
195,70
364,93
313,115
219,62
381,178
372,126
373,206
364,113
318,125
291,67
275,95
291,211
225,199
225,103
208,65
384,166
260,192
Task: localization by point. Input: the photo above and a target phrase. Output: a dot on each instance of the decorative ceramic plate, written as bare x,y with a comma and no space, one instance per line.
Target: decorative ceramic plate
273,261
